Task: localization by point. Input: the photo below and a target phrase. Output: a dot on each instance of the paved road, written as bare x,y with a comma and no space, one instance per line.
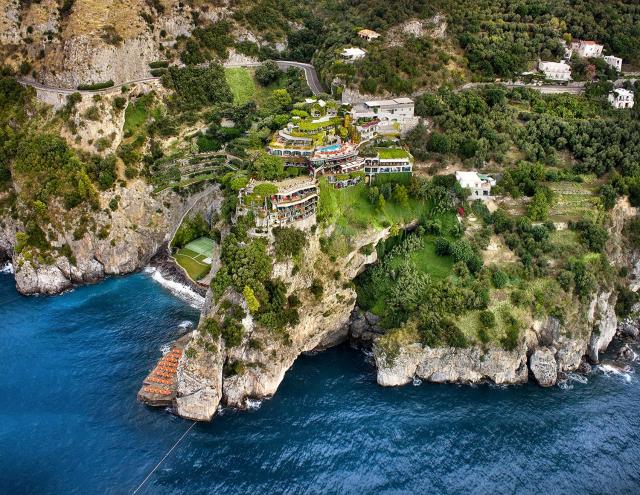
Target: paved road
310,74
309,71
68,91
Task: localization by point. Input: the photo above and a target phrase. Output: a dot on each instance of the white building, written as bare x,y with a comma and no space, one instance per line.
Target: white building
295,201
479,184
555,71
396,110
621,98
615,62
389,161
352,54
587,49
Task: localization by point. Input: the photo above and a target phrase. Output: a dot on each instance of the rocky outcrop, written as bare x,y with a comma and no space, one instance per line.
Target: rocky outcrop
260,362
364,329
553,347
121,242
91,42
544,367
602,314
450,365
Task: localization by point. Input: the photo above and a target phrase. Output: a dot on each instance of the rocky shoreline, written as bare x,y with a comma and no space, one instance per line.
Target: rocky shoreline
463,366
164,263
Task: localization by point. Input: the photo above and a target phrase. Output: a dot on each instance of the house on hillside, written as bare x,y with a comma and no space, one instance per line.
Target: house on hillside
587,49
621,98
555,71
615,62
479,184
353,53
396,110
291,201
368,34
389,161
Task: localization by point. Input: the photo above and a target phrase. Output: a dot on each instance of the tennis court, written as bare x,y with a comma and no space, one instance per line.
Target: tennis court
195,257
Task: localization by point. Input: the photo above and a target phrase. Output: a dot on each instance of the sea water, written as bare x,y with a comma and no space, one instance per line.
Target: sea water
70,367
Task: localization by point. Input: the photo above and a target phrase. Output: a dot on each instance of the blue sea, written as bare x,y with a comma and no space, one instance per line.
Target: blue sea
70,367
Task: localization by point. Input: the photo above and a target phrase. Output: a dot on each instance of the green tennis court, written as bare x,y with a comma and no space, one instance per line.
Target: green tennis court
195,257
202,246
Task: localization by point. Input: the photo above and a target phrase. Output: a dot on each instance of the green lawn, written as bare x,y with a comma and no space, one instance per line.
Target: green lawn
426,259
242,85
136,114
351,207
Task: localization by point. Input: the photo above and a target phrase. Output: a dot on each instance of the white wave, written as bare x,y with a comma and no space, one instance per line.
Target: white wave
185,324
253,404
416,381
577,377
165,348
6,268
180,290
624,372
565,385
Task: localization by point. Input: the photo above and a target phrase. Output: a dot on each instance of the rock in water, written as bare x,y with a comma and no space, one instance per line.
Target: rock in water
544,367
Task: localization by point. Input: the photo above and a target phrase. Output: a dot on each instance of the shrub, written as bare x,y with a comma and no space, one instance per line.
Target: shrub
500,279
268,72
317,288
488,319
289,241
232,333
252,302
512,332
626,300
95,86
442,246
483,335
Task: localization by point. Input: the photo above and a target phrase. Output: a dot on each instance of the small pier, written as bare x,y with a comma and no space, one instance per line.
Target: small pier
160,386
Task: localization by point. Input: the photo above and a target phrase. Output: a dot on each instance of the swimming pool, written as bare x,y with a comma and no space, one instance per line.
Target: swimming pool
332,147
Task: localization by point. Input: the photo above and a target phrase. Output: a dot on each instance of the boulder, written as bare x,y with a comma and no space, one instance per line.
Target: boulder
544,367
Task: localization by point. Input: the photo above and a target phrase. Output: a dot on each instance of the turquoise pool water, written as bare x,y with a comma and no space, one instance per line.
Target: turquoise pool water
332,147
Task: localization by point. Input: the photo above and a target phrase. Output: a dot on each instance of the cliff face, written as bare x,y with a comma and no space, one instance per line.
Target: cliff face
548,349
114,242
94,41
264,356
450,365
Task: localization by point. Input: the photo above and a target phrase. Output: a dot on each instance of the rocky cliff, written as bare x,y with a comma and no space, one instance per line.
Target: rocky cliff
211,374
88,247
82,42
548,349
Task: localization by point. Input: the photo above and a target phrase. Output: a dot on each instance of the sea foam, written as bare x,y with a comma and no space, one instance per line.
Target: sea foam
6,268
182,291
624,372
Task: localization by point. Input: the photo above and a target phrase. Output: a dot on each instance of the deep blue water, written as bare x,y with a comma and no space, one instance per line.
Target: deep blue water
70,367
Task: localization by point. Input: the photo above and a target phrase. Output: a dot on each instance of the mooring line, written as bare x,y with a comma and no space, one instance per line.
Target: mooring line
163,459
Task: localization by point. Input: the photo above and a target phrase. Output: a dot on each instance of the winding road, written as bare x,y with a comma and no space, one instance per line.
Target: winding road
313,81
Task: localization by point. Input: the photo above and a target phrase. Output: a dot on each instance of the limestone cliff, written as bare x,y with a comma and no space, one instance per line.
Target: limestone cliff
548,347
87,246
262,359
73,43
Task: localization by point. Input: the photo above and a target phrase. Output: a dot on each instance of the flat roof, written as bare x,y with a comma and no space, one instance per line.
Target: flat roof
395,101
